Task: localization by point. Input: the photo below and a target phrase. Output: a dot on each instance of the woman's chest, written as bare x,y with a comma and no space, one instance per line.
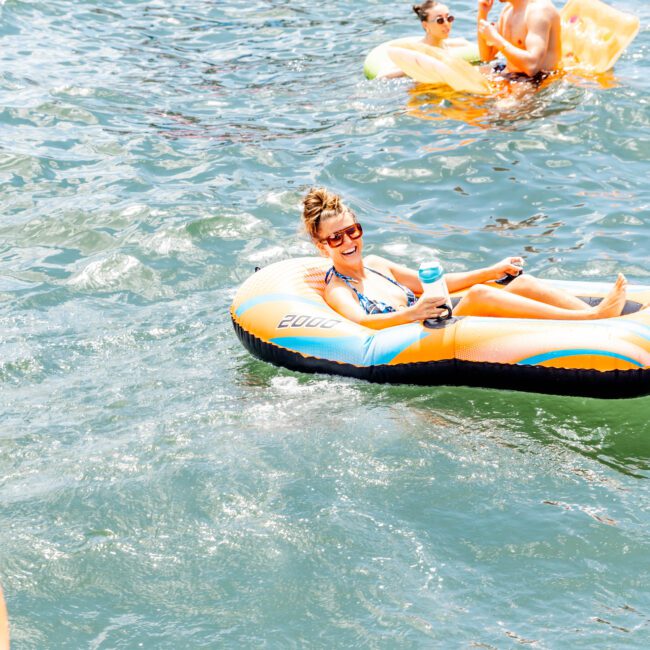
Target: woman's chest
379,288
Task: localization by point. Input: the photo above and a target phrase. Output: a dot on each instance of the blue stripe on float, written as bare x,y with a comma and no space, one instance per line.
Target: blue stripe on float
344,349
388,343
376,349
275,297
558,354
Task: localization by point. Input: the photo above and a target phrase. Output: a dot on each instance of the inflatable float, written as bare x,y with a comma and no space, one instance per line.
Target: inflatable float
379,64
594,35
280,316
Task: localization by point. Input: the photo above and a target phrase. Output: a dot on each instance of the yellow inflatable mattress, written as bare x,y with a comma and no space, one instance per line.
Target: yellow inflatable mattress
594,35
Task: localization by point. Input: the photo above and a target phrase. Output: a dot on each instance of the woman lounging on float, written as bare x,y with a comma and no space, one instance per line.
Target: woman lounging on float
378,293
436,22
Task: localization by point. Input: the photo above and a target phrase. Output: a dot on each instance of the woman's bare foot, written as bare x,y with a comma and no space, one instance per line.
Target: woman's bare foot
612,304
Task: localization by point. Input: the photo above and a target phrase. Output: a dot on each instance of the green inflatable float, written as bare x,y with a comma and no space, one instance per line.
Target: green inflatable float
379,64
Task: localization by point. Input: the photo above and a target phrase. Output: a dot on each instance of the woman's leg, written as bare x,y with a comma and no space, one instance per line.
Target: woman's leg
530,287
482,300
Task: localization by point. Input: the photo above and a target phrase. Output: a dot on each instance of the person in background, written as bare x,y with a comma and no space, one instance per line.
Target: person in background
528,35
4,624
436,22
379,293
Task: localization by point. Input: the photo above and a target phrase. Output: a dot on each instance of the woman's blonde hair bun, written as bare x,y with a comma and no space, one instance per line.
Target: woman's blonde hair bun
318,205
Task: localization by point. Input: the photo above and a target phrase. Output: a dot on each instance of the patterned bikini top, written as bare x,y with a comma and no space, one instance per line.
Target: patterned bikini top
369,305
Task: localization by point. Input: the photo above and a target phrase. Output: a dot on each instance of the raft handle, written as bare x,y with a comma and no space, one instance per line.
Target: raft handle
508,278
445,319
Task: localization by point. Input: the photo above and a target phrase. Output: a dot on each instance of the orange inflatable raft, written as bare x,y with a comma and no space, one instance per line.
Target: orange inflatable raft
280,316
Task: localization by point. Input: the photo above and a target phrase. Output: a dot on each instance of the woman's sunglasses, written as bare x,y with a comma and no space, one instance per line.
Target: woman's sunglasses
441,20
337,238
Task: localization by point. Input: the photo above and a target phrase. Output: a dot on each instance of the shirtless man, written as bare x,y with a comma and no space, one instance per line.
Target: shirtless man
527,34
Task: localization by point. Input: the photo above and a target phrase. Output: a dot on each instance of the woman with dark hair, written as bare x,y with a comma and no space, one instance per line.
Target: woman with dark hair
436,22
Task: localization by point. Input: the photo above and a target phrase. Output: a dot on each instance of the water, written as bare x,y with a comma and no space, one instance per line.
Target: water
160,488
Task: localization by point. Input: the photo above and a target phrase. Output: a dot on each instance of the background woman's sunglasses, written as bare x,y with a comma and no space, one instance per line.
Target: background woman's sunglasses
441,20
337,238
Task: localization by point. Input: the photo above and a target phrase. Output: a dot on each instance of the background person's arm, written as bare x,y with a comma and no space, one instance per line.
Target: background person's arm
4,624
394,74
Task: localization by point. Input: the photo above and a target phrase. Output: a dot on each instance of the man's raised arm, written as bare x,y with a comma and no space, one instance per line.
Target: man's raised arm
487,51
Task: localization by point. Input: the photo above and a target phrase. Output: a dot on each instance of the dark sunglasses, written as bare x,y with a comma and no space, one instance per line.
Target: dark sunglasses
337,238
441,20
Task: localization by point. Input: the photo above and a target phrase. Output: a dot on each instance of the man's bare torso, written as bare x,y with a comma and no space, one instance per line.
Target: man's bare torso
514,25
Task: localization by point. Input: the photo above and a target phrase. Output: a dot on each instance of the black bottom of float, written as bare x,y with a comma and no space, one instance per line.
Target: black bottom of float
614,384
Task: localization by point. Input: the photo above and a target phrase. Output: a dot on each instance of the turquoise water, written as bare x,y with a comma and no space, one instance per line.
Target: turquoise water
160,488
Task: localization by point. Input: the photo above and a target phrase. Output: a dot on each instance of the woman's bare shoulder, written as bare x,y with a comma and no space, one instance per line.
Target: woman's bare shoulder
457,42
386,266
336,286
376,260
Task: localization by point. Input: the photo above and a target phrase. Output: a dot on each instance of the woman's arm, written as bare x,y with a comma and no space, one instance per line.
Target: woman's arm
343,301
392,74
466,279
455,281
457,42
